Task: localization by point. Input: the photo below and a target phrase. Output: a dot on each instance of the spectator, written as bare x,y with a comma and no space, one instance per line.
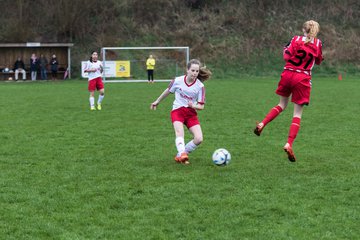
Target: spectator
43,66
150,66
54,67
34,65
19,66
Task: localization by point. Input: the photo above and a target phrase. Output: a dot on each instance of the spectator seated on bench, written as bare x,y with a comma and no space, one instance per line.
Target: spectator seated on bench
19,66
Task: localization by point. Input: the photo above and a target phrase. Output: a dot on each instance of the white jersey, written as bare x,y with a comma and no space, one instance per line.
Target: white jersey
91,65
184,92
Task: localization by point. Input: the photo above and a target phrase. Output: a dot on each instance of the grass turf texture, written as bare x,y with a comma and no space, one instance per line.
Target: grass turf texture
68,173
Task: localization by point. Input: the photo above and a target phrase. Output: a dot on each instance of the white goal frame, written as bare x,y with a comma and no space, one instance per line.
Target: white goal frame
103,51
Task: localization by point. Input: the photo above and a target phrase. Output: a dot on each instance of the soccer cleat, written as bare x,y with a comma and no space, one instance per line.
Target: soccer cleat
258,129
99,106
186,162
290,152
92,108
183,158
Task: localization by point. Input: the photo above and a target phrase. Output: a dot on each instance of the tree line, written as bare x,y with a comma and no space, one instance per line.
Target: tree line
235,32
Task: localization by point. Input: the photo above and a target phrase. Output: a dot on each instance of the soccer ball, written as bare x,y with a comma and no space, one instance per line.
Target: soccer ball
221,157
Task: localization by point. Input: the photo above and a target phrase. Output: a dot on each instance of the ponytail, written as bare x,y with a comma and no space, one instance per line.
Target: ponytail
204,74
311,28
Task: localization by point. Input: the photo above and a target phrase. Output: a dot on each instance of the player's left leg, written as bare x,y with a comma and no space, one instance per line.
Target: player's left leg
272,114
100,87
197,138
101,98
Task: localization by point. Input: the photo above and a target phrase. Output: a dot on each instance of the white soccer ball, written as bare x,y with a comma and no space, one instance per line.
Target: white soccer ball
221,157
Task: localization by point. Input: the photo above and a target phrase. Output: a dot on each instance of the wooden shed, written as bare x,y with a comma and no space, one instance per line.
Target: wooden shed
9,52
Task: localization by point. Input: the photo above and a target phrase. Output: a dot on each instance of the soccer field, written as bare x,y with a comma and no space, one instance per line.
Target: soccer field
68,173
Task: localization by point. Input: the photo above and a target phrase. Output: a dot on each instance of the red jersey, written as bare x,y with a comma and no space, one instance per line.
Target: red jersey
301,56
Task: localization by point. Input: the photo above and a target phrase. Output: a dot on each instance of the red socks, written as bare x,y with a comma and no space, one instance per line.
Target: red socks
274,112
294,129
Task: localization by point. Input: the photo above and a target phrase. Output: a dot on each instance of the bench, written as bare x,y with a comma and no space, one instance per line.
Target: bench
5,76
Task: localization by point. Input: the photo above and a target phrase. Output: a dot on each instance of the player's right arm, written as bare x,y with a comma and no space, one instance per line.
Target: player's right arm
170,89
159,99
88,67
320,57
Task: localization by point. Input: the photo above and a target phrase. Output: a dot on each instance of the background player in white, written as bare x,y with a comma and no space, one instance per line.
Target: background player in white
189,96
94,68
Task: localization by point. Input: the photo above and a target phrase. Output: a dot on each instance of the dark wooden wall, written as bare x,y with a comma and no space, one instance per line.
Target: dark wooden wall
8,55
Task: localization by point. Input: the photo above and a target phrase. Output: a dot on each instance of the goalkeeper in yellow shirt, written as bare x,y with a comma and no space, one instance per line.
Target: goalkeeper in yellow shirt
150,66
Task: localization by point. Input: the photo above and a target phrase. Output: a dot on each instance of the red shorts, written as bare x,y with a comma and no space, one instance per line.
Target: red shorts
296,84
95,84
187,116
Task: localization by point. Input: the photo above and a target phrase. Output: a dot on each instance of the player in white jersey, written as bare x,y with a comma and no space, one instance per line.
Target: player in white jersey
189,96
94,68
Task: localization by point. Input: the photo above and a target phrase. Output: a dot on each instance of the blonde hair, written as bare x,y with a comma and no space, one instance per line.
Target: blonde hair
204,73
311,28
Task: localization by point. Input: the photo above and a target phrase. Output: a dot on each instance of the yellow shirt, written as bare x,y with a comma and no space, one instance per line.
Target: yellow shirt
150,63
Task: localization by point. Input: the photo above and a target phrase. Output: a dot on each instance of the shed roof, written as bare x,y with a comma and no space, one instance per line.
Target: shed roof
36,44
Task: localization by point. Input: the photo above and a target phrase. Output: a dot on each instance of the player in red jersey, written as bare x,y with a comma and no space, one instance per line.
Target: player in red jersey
300,55
189,94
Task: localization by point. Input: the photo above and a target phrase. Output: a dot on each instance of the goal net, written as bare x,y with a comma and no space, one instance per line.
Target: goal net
128,64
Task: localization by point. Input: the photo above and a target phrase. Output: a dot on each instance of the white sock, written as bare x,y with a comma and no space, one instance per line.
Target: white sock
180,144
190,146
92,101
101,97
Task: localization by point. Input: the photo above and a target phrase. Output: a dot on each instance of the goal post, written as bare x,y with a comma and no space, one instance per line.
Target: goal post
128,64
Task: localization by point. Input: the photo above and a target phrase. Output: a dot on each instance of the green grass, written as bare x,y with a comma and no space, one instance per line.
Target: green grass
68,173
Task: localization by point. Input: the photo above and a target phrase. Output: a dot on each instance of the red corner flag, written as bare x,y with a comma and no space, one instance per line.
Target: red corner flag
339,77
